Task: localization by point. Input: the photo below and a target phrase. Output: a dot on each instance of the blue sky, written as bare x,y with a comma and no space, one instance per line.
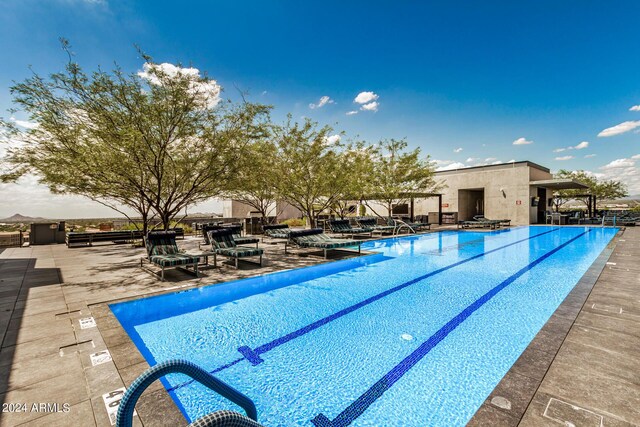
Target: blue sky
475,76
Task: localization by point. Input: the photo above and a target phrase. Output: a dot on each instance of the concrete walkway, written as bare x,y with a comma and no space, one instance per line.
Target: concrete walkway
581,368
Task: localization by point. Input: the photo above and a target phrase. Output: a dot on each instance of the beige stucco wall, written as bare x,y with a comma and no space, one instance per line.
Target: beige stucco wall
503,185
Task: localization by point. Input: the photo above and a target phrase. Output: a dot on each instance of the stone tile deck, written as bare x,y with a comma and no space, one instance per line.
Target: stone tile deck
581,368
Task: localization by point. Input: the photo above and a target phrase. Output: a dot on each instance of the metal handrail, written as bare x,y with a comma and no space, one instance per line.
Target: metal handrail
402,223
133,393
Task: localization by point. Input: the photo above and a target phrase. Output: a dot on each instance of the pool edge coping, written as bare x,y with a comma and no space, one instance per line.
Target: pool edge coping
520,384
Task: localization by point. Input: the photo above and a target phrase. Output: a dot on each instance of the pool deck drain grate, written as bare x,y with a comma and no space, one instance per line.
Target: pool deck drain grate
581,368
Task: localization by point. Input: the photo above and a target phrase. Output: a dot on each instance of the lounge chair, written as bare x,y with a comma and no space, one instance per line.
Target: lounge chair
342,226
499,222
276,231
223,243
372,223
315,238
478,224
236,231
163,251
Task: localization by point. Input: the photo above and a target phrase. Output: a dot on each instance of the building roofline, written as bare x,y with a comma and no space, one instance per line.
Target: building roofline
498,166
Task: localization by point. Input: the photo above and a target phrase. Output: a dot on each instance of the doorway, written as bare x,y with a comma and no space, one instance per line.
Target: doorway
470,203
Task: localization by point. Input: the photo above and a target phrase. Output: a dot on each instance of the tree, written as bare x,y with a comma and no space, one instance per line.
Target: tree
398,174
157,141
357,159
256,182
311,174
602,189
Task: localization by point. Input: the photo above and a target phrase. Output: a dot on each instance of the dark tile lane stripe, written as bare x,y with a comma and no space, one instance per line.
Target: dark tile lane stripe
253,355
362,403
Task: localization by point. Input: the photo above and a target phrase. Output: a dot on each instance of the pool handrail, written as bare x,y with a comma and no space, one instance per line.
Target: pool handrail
133,393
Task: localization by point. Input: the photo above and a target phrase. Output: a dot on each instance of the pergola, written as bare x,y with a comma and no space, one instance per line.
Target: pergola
411,196
569,184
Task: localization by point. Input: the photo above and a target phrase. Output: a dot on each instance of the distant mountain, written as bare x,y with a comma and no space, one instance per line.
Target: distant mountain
22,218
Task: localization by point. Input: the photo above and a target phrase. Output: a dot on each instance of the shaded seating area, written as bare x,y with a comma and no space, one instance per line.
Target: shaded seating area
315,238
236,231
163,251
223,243
372,223
343,226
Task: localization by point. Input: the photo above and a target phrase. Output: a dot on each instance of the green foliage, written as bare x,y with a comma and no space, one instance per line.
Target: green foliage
397,174
295,222
602,189
156,145
311,172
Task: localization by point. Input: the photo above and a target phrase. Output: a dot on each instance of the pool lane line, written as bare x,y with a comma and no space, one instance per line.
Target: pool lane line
253,355
362,403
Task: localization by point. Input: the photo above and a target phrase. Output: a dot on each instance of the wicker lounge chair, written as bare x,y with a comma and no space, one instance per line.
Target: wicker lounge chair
342,226
163,251
315,238
236,231
223,243
412,227
478,224
372,223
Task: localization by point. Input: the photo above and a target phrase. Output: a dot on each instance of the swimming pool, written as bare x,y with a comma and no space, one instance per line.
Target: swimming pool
419,333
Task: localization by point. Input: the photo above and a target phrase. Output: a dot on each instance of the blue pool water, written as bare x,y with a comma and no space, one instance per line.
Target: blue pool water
417,334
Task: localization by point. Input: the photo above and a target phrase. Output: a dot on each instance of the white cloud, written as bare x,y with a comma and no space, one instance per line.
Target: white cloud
24,124
625,170
619,163
522,141
588,156
351,113
372,106
444,165
583,144
471,159
621,128
490,159
457,150
497,162
207,92
635,108
564,158
365,97
333,139
512,161
324,100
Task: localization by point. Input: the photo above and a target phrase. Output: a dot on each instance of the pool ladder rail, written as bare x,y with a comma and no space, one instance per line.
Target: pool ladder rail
215,419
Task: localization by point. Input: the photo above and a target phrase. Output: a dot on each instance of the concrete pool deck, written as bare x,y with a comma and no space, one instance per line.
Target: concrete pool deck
582,367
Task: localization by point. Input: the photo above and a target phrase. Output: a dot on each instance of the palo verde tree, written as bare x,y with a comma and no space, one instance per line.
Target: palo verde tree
398,174
357,160
602,189
311,173
157,141
256,182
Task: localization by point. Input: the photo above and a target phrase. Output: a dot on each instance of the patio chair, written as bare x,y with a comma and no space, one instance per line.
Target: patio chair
276,231
223,243
342,226
236,231
478,224
498,222
372,223
315,238
163,251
